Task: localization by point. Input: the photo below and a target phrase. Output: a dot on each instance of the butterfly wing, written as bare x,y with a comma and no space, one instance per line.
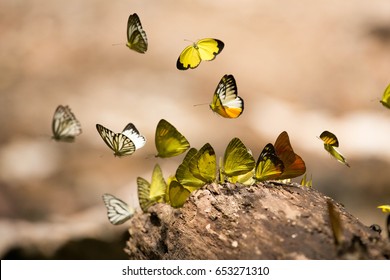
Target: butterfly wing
169,141
118,211
329,138
226,101
294,165
237,159
133,134
268,166
336,154
136,36
184,175
386,97
203,165
384,208
65,126
158,186
143,188
204,49
177,194
118,142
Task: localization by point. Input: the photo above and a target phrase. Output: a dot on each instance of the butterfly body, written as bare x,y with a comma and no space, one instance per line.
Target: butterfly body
226,101
65,126
118,211
203,50
136,36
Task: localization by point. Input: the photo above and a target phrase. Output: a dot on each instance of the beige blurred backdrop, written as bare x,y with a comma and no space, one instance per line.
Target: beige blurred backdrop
301,66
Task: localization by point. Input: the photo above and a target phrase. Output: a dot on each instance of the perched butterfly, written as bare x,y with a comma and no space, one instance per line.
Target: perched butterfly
386,97
177,194
193,55
153,192
330,142
65,126
118,211
169,141
226,101
237,160
294,165
384,208
124,143
335,223
136,36
203,165
269,166
184,175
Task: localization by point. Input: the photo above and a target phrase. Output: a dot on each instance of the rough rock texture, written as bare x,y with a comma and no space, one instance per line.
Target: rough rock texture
264,221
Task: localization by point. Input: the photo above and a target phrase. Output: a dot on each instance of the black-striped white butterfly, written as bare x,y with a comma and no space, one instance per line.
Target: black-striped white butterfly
136,36
65,126
124,143
118,211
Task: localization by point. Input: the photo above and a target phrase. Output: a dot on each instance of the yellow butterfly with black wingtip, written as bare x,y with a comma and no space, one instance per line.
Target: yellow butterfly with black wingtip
237,160
268,166
226,101
330,142
169,141
204,49
136,36
294,165
153,192
386,98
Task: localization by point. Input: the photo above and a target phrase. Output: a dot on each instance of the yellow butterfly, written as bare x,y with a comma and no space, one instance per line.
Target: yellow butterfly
136,36
203,165
65,126
226,101
177,194
153,192
118,211
384,208
193,55
305,182
330,142
294,165
124,143
169,141
184,175
269,166
237,160
335,223
386,97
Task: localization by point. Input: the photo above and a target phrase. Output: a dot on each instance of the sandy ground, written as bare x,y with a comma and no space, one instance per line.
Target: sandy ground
301,66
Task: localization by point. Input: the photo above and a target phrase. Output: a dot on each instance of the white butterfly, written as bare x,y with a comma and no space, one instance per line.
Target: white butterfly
125,143
118,211
136,36
65,126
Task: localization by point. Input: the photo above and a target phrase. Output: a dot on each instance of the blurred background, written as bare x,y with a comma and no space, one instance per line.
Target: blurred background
301,66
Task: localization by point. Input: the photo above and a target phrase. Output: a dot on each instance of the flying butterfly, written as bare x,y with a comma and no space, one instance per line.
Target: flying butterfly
386,98
153,192
384,208
65,126
226,101
268,166
237,160
294,165
330,144
136,36
118,211
124,143
204,49
169,141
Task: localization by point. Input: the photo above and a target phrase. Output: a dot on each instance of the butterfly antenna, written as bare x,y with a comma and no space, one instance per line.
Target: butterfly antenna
117,44
201,104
